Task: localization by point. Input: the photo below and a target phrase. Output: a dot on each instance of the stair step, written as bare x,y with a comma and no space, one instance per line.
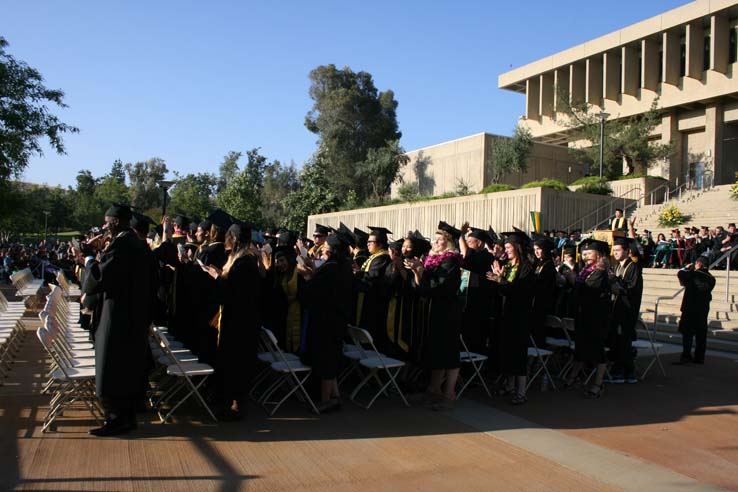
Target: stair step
713,343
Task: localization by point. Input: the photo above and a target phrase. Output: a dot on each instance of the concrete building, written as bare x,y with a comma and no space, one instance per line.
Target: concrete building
686,57
467,161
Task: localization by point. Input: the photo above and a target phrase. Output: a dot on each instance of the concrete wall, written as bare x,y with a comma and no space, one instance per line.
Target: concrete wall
636,189
559,209
441,168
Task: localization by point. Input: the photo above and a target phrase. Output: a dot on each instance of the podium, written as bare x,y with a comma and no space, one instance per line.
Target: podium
607,236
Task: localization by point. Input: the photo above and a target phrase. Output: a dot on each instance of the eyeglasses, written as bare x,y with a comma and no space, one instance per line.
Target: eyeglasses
370,241
318,235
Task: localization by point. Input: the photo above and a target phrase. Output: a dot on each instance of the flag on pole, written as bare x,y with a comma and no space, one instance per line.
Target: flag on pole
535,219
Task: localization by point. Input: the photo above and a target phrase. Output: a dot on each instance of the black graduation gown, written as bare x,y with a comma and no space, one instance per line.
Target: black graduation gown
213,254
371,304
238,295
627,286
698,285
514,324
544,299
361,256
187,305
443,314
327,299
592,317
126,280
402,316
476,323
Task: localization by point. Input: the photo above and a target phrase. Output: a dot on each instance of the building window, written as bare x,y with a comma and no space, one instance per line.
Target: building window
661,66
733,46
683,59
706,60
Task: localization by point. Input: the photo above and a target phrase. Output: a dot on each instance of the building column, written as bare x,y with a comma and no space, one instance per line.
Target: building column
719,39
532,98
672,54
630,81
611,77
577,83
594,81
714,129
546,103
650,64
561,83
673,166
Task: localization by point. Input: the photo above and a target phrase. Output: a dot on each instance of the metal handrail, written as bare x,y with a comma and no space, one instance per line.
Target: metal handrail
609,204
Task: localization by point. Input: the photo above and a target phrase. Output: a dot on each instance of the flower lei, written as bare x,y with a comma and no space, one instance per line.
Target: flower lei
432,261
582,276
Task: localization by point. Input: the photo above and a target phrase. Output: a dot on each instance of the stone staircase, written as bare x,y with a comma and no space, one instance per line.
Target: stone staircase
723,318
710,208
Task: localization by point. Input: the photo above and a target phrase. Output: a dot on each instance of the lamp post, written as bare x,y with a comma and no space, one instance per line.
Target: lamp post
46,224
603,116
165,185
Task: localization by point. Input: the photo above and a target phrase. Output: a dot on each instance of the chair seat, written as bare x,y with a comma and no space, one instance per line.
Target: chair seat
535,353
376,362
78,354
557,342
471,356
166,361
190,368
268,358
642,344
356,355
74,373
83,362
295,365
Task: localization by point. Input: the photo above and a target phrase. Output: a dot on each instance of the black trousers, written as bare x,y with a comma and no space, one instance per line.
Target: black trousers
700,336
621,354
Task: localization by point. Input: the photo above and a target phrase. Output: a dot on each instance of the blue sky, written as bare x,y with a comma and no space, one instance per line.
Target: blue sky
189,81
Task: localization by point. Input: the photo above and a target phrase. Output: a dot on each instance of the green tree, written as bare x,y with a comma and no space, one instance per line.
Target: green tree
510,155
315,194
87,210
242,195
350,116
118,171
228,170
24,117
193,194
381,168
279,181
144,178
110,190
627,140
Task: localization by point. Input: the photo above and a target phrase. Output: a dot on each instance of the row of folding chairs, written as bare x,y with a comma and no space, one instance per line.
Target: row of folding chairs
179,375
71,377
25,283
12,332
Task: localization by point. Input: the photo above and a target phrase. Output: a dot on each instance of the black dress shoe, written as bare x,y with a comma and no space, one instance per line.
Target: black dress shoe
683,361
699,361
114,427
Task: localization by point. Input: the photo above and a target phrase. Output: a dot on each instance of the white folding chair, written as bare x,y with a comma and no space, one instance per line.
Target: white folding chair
71,385
354,355
649,345
541,355
266,356
562,346
286,372
377,364
477,362
184,373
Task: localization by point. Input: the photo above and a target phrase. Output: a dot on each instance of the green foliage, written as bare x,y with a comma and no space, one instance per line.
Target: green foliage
144,178
510,155
734,189
34,200
193,194
314,196
638,175
494,188
380,169
626,140
228,170
351,116
594,185
408,192
546,183
279,181
24,117
242,195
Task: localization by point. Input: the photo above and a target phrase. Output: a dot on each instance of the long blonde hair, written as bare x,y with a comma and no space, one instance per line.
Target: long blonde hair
239,251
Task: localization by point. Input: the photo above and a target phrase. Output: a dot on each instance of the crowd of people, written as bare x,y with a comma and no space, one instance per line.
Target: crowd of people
215,282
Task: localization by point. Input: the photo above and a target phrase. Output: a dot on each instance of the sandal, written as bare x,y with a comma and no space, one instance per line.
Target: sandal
592,394
518,399
504,391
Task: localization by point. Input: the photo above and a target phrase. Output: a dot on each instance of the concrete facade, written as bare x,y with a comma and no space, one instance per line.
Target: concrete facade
686,57
468,161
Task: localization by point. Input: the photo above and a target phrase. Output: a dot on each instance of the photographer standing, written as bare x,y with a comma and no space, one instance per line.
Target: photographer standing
698,284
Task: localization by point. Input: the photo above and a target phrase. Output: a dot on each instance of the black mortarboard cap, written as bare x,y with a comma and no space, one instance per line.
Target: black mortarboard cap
120,211
545,243
193,226
361,237
480,234
421,245
221,219
570,250
593,244
449,229
205,225
141,222
321,229
241,230
181,220
517,236
347,233
380,233
396,245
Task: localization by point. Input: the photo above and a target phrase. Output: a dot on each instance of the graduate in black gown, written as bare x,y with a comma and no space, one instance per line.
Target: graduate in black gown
126,282
545,287
592,314
361,253
373,292
698,284
514,282
437,279
627,288
238,294
327,299
475,287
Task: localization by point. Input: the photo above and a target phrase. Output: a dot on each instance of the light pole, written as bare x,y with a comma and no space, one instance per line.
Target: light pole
603,116
165,185
46,224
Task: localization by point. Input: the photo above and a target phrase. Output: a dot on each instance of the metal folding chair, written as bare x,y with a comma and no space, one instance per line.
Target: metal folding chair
650,345
476,361
542,355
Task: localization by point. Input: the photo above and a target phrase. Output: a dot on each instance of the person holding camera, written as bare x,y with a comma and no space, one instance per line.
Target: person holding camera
698,284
